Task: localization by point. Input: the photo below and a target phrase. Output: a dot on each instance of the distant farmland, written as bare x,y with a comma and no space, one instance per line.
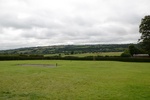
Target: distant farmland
68,49
89,54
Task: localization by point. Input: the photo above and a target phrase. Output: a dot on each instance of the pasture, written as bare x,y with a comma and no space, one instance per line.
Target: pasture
74,80
98,54
89,54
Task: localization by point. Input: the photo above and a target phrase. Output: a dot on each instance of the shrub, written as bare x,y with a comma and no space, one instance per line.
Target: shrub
124,54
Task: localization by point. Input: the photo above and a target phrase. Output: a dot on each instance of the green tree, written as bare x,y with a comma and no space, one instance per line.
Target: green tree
126,53
72,52
144,29
132,49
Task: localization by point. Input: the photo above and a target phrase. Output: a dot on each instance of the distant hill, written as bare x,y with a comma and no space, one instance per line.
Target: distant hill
67,49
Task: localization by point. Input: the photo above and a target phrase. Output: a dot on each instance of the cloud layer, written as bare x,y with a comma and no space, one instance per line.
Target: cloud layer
25,23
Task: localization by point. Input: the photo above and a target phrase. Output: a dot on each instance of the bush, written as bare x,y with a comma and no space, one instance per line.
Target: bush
124,54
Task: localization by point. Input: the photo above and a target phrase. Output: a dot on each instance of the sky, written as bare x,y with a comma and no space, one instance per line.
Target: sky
31,23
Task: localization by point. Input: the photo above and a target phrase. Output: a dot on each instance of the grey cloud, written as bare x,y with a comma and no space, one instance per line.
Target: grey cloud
34,23
10,20
39,33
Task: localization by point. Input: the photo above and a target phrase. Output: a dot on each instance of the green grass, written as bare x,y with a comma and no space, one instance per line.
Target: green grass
98,54
89,54
74,80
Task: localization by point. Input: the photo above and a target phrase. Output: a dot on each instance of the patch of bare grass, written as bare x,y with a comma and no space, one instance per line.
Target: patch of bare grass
38,65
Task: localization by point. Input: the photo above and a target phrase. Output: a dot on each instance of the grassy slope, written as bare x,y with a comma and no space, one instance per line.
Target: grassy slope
75,80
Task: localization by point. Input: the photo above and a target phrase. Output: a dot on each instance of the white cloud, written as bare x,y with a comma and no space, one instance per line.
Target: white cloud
25,23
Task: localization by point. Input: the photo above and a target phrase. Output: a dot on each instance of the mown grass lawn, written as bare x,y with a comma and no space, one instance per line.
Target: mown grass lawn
74,80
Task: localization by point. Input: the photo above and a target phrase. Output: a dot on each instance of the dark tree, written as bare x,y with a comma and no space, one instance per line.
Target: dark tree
144,29
72,52
133,50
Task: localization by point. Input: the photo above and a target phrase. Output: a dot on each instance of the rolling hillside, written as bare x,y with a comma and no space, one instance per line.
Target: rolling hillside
68,49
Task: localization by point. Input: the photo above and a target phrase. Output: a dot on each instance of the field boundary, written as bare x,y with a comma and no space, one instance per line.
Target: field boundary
96,58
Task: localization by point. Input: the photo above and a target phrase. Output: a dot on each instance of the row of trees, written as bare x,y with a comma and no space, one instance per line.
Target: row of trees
133,49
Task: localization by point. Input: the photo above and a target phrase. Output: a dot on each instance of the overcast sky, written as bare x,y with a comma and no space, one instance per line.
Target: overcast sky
30,23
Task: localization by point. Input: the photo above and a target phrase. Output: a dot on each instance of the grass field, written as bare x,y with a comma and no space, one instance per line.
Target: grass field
74,80
90,54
